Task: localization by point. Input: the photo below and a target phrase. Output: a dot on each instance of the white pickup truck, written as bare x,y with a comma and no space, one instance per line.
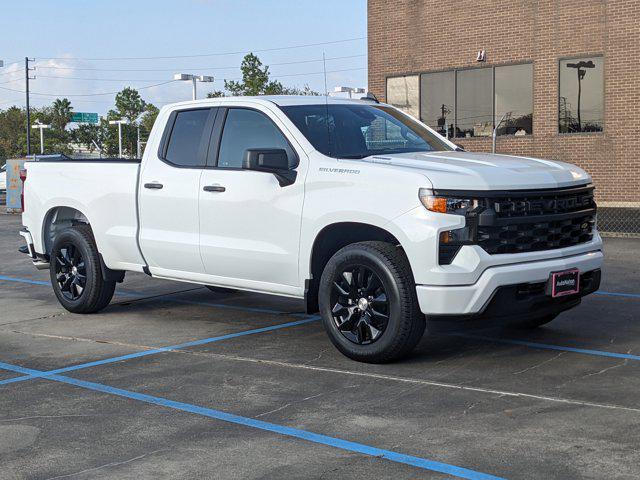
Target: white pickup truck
373,218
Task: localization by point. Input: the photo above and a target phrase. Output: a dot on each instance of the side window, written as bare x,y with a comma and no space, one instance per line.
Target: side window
245,129
183,148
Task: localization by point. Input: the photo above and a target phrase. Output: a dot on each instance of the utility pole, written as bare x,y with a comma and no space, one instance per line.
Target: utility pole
26,79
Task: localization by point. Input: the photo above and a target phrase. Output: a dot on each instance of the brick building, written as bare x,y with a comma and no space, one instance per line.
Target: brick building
563,75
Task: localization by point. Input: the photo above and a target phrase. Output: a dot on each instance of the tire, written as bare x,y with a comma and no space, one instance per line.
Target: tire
370,329
221,289
76,272
536,322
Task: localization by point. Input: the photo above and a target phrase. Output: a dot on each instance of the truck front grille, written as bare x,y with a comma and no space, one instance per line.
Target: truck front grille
532,237
530,221
520,221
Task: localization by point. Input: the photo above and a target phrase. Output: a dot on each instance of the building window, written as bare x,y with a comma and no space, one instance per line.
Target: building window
471,102
581,96
437,101
404,93
474,106
514,99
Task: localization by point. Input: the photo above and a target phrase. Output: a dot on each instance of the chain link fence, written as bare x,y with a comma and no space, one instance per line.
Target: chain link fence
619,219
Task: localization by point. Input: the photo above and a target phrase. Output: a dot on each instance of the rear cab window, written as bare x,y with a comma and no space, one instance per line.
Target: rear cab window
186,142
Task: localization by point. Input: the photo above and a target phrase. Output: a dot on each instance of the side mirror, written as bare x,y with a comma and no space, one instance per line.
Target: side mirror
270,160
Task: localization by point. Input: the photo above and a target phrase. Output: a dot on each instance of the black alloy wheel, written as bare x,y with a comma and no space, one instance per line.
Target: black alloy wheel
360,305
71,271
368,302
76,272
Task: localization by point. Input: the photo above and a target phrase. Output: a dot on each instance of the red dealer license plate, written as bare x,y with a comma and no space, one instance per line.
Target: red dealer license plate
564,283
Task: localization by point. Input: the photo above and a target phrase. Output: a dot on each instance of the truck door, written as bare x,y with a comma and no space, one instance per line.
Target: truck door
249,224
168,198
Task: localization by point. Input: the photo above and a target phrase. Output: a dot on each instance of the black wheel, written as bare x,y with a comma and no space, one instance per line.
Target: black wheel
535,322
76,272
368,303
220,289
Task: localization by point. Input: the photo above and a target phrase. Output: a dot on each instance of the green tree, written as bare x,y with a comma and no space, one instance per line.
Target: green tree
60,114
256,81
216,94
109,134
13,138
88,133
306,90
129,104
148,119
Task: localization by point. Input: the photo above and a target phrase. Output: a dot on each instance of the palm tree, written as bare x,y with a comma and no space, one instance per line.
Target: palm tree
61,110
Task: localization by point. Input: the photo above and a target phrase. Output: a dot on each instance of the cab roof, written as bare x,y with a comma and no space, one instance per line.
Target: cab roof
280,100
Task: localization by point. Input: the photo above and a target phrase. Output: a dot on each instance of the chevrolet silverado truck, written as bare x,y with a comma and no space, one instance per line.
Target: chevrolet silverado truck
371,217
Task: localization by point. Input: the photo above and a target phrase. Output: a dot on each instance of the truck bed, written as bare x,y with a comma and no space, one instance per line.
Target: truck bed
104,191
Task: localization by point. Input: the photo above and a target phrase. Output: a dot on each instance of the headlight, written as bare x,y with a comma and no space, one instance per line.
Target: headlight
450,241
451,205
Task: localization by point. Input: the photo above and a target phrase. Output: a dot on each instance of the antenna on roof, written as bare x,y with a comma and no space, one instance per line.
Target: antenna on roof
371,97
326,104
324,64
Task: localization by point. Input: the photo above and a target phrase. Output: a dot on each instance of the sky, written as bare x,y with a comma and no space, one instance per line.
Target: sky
78,46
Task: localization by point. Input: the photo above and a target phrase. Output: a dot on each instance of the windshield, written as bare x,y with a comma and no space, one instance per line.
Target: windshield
358,131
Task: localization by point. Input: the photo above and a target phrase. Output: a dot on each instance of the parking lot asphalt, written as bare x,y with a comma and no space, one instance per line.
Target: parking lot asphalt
172,380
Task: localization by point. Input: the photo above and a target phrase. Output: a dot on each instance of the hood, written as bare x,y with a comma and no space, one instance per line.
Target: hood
486,171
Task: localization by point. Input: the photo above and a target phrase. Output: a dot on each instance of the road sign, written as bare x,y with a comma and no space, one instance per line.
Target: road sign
84,117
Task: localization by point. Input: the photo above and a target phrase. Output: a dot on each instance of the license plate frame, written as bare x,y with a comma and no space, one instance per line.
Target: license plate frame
564,282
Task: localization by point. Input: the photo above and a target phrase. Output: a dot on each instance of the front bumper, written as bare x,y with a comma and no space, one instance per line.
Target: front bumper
463,300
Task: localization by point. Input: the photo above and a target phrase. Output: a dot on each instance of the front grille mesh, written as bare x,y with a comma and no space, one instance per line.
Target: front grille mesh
532,237
537,220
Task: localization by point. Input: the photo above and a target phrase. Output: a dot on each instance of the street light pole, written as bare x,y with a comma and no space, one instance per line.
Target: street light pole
42,128
122,121
349,90
194,79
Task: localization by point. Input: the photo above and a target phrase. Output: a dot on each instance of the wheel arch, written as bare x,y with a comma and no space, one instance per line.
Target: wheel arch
328,241
60,218
57,219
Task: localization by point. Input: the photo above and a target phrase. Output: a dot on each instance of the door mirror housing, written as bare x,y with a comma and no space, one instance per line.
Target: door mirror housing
270,160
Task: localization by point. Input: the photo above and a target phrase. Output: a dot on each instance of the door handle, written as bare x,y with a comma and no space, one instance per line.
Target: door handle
154,186
214,188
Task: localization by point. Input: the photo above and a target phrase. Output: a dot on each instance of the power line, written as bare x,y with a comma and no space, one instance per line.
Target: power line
289,47
100,79
42,67
13,72
158,80
83,94
163,83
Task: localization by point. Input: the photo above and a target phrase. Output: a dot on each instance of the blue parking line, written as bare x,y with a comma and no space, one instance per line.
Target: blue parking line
320,439
24,280
155,351
616,294
547,346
